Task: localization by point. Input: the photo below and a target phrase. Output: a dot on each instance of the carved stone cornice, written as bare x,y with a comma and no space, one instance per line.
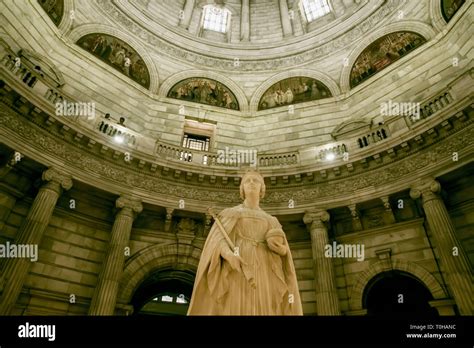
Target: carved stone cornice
195,57
20,133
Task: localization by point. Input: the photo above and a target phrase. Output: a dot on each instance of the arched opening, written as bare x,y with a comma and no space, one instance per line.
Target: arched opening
164,292
397,294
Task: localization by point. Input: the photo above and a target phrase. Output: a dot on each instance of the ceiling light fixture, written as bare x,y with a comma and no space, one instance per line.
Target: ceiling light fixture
330,156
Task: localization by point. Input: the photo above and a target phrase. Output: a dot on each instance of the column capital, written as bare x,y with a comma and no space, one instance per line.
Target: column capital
129,203
428,187
54,175
316,216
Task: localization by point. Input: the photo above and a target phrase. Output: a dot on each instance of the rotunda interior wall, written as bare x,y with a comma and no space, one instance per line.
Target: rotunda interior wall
156,116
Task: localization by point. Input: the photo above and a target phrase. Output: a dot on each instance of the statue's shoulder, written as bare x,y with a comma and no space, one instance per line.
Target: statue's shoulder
231,212
274,221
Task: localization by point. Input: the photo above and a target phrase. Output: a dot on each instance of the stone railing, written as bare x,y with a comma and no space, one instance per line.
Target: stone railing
231,158
373,136
432,106
331,152
24,73
281,159
120,134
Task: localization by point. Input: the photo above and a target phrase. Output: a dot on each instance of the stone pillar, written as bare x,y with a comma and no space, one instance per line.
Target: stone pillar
356,223
456,267
245,21
30,233
327,302
105,296
285,18
187,14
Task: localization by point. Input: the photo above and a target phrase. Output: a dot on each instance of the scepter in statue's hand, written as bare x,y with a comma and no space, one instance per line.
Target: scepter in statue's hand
232,256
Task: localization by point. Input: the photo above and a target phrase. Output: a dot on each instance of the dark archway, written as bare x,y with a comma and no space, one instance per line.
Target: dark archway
397,294
164,292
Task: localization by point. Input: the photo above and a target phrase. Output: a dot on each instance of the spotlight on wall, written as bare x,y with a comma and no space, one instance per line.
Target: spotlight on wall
330,156
118,139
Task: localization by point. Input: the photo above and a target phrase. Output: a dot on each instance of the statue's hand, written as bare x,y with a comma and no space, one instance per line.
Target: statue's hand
276,247
235,261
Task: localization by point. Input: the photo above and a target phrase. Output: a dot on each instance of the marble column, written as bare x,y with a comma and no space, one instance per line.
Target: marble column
187,14
105,296
327,302
285,18
245,21
455,267
31,233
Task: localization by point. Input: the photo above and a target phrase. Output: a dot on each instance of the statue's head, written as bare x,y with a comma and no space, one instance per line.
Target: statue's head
252,181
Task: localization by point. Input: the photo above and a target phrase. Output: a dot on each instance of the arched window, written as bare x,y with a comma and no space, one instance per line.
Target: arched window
216,18
314,9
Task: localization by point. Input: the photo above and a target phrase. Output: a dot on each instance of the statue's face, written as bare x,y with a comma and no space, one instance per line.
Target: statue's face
252,184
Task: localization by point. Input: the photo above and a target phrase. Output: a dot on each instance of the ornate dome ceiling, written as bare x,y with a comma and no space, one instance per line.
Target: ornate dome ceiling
160,23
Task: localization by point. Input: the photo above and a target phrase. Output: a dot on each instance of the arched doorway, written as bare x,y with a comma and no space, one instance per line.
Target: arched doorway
397,294
164,292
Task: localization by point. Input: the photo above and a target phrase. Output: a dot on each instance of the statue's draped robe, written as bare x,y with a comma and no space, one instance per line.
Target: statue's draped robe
219,290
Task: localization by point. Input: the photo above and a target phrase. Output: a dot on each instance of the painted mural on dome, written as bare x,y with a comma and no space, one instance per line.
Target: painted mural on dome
54,9
204,91
383,52
293,90
117,54
450,7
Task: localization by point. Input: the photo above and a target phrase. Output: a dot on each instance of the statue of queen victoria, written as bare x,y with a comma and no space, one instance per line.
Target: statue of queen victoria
246,266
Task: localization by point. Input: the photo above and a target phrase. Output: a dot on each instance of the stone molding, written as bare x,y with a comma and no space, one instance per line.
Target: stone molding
47,149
